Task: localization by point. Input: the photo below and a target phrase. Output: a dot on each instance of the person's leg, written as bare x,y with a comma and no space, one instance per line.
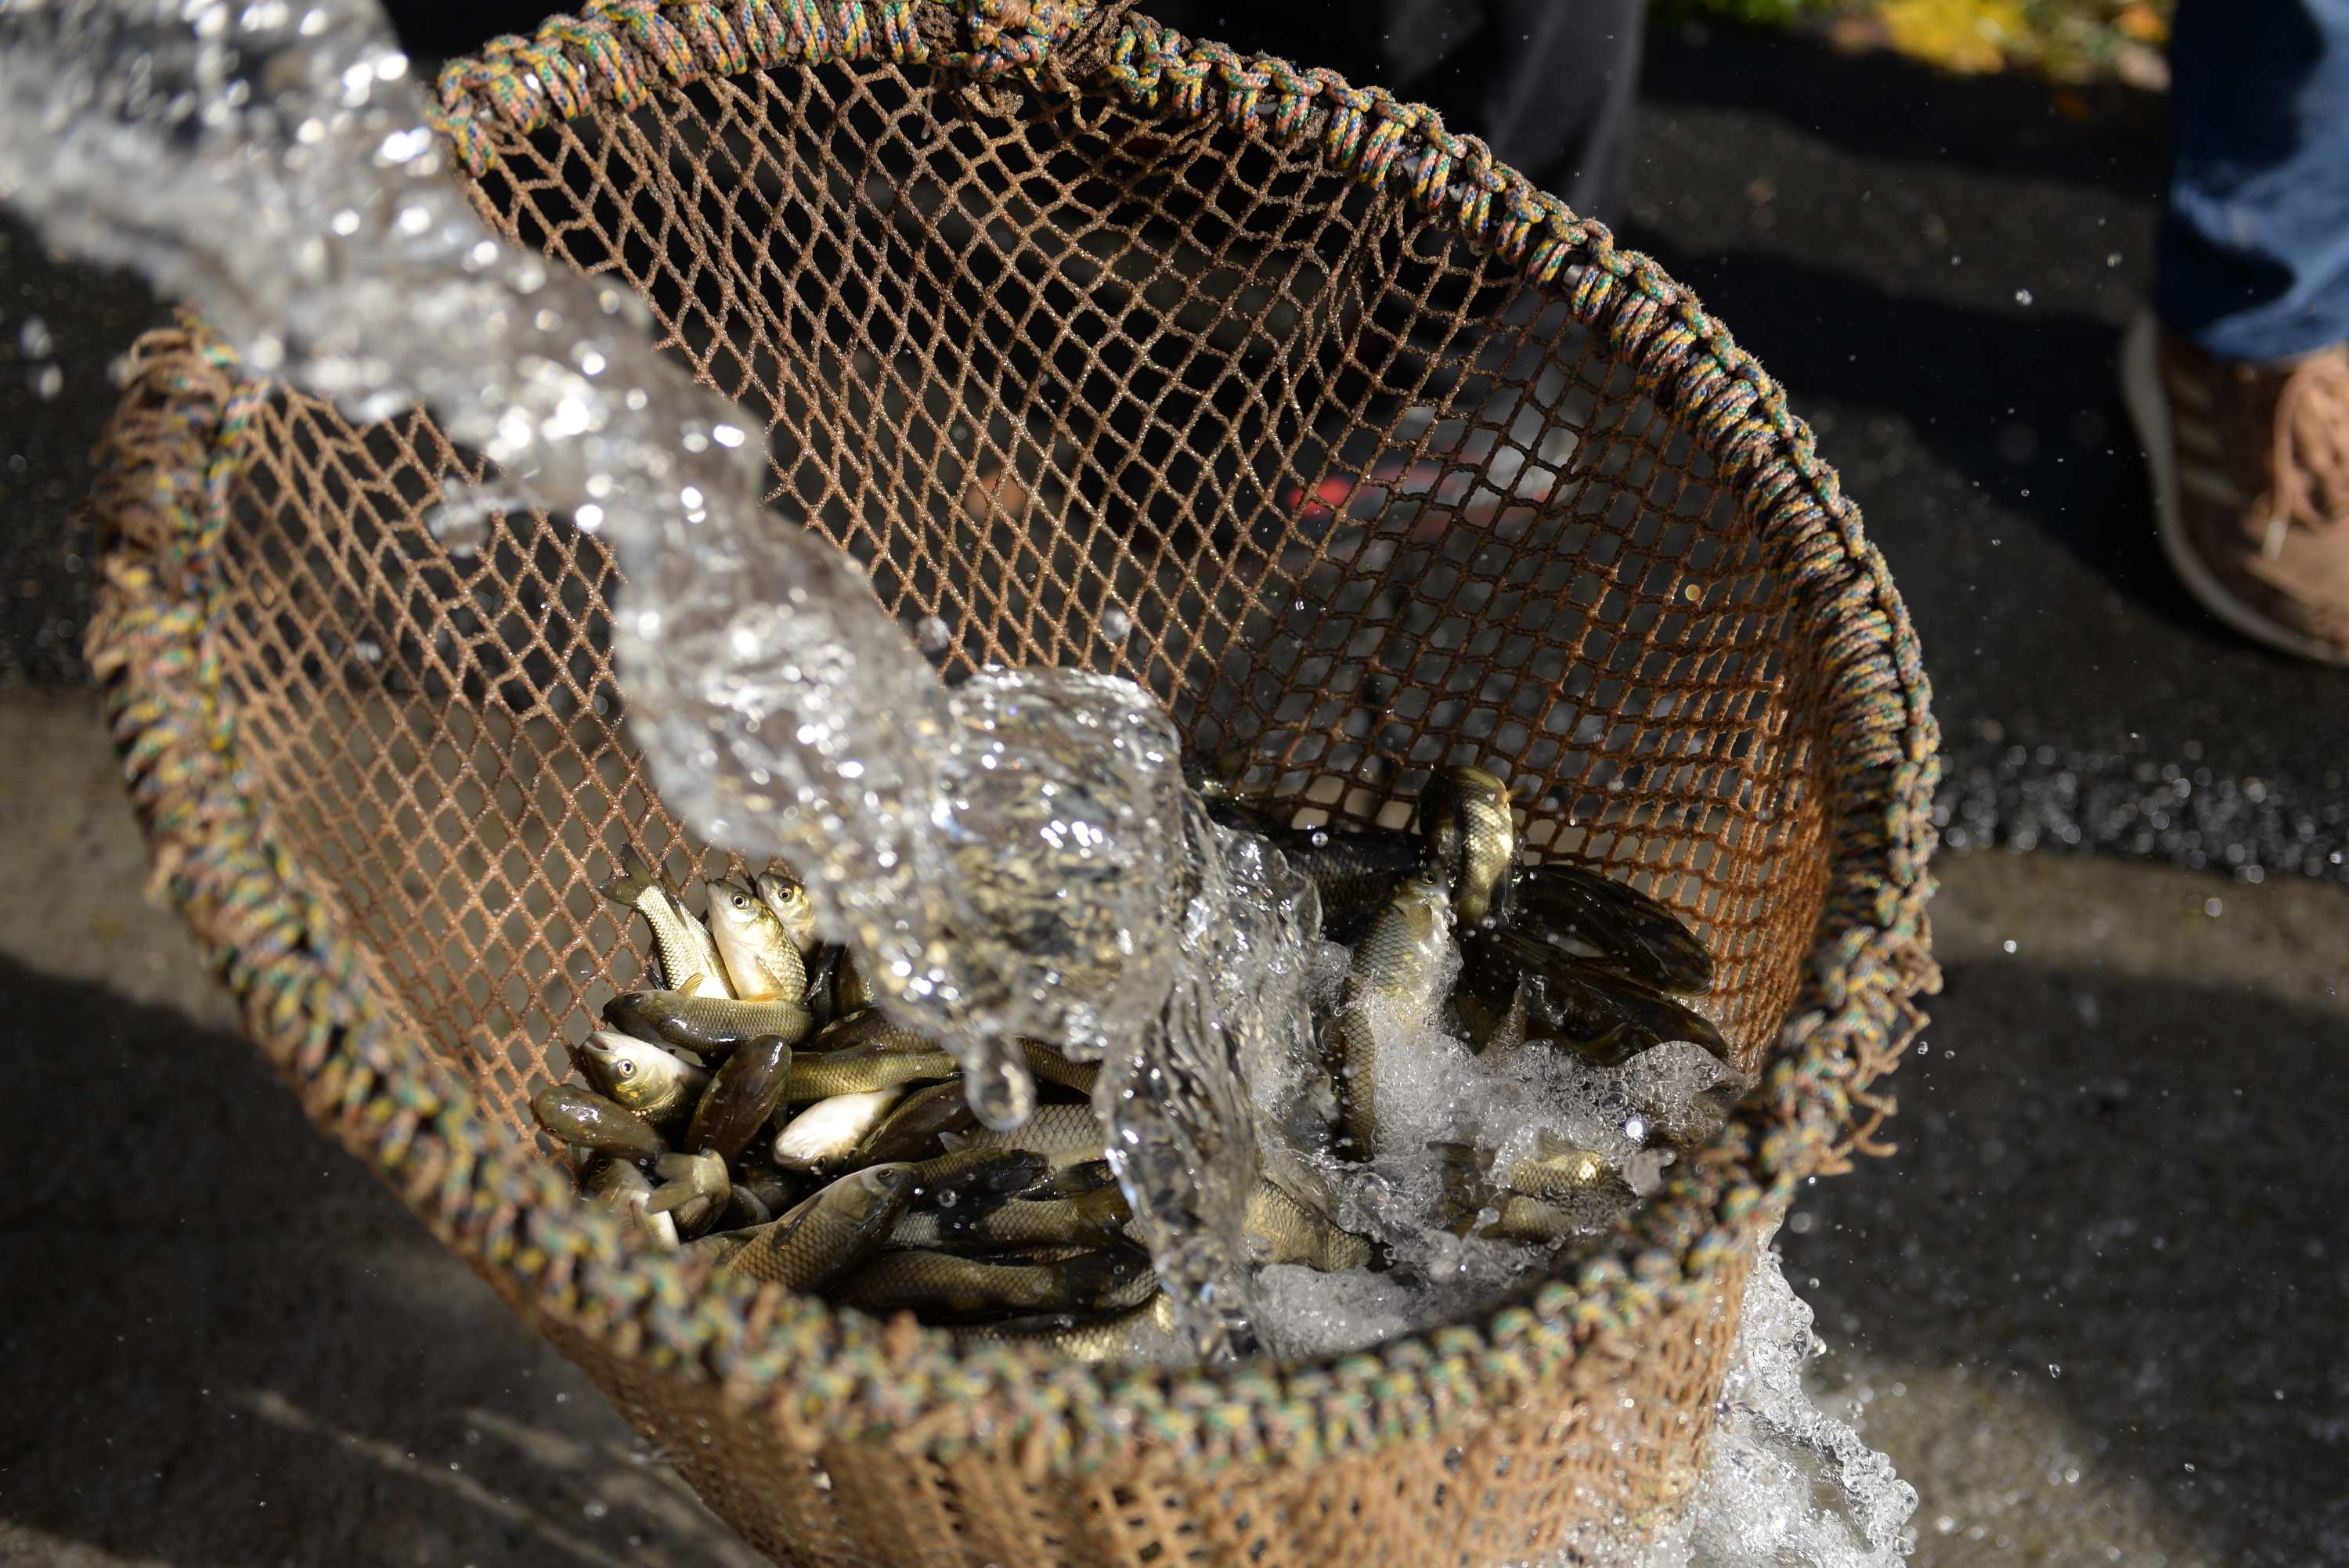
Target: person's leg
2253,251
2240,392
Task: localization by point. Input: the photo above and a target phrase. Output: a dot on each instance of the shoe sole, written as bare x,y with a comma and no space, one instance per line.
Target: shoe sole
2148,408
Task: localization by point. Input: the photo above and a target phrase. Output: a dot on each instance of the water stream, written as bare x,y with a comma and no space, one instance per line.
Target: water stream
1015,856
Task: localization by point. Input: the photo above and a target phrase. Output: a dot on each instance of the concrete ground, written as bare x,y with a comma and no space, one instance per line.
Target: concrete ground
221,1342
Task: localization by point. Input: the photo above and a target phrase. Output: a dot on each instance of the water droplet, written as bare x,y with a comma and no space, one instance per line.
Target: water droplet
1320,839
1000,1089
933,634
1116,624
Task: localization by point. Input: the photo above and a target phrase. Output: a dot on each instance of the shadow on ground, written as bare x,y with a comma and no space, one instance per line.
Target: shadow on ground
223,1340
2113,1200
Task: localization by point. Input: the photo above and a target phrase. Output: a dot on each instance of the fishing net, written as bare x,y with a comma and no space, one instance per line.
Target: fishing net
1093,347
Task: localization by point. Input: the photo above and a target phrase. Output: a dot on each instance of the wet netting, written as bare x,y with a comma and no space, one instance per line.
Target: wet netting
1093,346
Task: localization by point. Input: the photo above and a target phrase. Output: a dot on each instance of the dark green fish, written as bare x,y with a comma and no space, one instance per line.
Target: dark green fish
1073,1180
592,1121
1069,1133
914,1130
1281,1229
1051,1066
1144,1333
827,1235
976,1178
779,1190
903,1057
742,1095
709,1024
1356,873
1602,1016
1098,1219
1598,917
940,1284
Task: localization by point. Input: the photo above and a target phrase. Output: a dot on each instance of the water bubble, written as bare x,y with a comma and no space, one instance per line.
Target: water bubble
1116,624
933,634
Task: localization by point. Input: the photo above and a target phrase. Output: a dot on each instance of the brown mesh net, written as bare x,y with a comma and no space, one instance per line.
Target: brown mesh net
1078,383
1184,407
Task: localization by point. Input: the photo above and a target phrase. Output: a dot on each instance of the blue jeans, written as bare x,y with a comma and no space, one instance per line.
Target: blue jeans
2253,251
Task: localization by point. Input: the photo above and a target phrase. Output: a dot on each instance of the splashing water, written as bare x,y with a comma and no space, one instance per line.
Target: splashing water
1013,857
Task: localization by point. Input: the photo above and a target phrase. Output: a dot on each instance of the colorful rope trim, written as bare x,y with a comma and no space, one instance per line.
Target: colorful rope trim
309,999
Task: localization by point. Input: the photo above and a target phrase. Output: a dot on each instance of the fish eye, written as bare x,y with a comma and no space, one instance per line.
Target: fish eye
626,1069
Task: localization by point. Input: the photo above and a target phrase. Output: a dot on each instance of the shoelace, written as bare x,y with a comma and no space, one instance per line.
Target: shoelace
2311,451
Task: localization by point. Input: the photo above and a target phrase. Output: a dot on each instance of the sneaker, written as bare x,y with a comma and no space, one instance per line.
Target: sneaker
2251,484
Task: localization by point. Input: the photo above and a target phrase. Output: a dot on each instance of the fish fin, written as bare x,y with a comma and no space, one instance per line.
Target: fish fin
954,1141
629,883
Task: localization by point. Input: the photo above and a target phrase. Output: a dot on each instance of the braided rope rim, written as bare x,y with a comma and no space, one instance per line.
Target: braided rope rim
309,998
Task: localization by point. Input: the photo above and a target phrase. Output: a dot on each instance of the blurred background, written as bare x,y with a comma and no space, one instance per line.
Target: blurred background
2090,1306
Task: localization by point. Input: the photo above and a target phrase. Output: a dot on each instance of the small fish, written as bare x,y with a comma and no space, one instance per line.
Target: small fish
827,1132
1098,1219
1557,1169
620,1187
712,1026
828,1234
1390,988
642,1077
940,1284
1280,1229
1604,1016
745,1210
1578,909
1140,1334
693,1187
742,1095
592,1121
891,1058
1465,817
776,1189
1535,1220
1073,1180
688,957
1557,1190
976,1177
851,992
1356,873
912,1130
789,899
1069,1133
761,960
1051,1066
